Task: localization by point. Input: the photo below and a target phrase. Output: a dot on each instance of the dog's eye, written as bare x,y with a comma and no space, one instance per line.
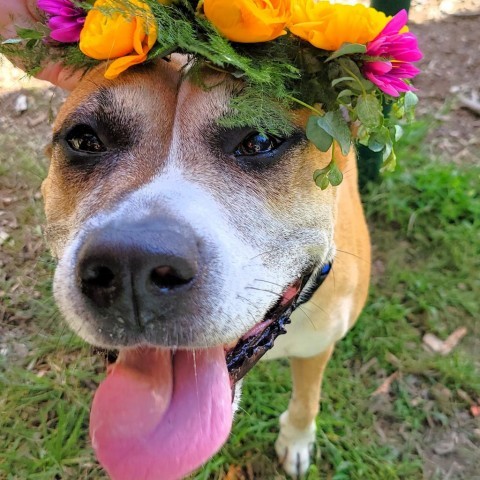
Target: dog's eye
83,139
257,143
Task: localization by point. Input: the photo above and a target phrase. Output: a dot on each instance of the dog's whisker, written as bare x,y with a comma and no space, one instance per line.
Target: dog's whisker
318,306
308,316
352,254
264,290
267,281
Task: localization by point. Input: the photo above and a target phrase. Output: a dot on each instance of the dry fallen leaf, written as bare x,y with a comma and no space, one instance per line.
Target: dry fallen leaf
233,473
475,410
384,388
444,347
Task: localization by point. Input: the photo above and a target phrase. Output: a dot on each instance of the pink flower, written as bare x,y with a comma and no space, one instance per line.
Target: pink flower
65,20
392,53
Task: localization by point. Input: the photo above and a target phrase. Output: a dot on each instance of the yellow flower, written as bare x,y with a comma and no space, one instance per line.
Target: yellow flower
122,36
248,21
328,26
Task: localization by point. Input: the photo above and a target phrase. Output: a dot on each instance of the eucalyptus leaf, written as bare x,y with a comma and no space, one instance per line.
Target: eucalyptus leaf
379,139
369,111
335,176
390,162
349,67
410,101
320,172
344,93
317,134
347,49
398,132
342,79
335,126
322,181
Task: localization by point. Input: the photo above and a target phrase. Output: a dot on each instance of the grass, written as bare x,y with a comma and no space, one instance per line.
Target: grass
424,221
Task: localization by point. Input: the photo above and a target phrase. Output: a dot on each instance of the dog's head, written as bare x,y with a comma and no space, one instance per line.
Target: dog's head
176,239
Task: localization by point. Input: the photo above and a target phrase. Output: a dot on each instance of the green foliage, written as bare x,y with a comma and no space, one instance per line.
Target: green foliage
274,78
321,131
330,175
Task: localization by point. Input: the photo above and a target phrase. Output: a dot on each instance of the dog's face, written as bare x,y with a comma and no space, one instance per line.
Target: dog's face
169,230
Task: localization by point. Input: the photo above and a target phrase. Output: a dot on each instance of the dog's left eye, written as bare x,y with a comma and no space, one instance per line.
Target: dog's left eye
256,144
83,139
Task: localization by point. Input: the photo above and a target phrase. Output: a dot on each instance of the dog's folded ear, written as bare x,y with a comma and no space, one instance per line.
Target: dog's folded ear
48,150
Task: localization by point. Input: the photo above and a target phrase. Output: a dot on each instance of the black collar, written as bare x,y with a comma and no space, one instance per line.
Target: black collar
313,283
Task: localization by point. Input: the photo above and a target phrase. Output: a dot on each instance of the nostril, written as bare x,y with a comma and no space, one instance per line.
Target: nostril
98,277
167,278
99,284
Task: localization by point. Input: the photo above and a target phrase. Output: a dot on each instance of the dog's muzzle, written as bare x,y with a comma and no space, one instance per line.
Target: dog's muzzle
138,271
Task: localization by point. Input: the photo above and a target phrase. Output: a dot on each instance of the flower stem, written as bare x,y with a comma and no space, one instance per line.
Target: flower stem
306,105
357,79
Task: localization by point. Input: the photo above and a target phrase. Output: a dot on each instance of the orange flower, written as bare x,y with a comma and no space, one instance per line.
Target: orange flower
126,37
248,21
328,26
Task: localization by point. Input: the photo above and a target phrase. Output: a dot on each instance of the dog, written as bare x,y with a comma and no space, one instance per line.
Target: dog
183,244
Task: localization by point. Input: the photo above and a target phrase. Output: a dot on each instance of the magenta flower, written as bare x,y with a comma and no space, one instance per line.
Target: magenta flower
392,54
65,20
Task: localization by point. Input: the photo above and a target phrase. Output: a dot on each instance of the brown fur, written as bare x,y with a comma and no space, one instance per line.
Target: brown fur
286,191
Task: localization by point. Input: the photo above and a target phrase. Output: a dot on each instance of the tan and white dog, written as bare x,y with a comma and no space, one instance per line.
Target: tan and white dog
177,241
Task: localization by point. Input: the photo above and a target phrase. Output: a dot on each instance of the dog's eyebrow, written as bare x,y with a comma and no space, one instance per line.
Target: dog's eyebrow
102,109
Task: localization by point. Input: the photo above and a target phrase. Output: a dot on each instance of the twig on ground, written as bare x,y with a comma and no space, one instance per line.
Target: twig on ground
384,388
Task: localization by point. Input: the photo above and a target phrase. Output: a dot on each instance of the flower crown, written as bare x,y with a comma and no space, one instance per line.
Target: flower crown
344,63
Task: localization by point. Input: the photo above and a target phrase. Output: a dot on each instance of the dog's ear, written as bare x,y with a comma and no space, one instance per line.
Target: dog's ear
48,150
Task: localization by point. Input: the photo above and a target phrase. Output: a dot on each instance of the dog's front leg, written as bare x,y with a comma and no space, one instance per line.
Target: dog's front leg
297,425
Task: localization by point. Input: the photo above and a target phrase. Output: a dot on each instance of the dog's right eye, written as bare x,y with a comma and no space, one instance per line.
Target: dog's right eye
83,139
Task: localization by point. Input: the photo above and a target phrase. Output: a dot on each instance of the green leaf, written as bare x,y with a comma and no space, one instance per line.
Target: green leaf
398,132
342,79
369,111
335,125
379,139
323,182
31,44
29,34
390,162
347,49
410,100
317,134
335,176
349,67
344,93
319,172
11,41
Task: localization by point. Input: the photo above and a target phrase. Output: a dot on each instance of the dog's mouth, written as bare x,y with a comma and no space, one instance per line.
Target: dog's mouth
162,413
255,343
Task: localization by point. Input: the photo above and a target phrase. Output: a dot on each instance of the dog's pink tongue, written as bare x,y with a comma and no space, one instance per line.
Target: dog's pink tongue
160,417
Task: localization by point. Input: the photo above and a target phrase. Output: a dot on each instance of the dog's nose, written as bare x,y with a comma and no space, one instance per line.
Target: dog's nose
129,266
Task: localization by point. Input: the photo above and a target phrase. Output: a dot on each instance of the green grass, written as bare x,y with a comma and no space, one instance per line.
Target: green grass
424,221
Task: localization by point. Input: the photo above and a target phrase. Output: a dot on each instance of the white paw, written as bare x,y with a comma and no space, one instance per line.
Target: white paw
294,447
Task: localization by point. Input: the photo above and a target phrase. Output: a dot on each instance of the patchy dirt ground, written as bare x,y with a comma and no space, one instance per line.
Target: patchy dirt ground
449,32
